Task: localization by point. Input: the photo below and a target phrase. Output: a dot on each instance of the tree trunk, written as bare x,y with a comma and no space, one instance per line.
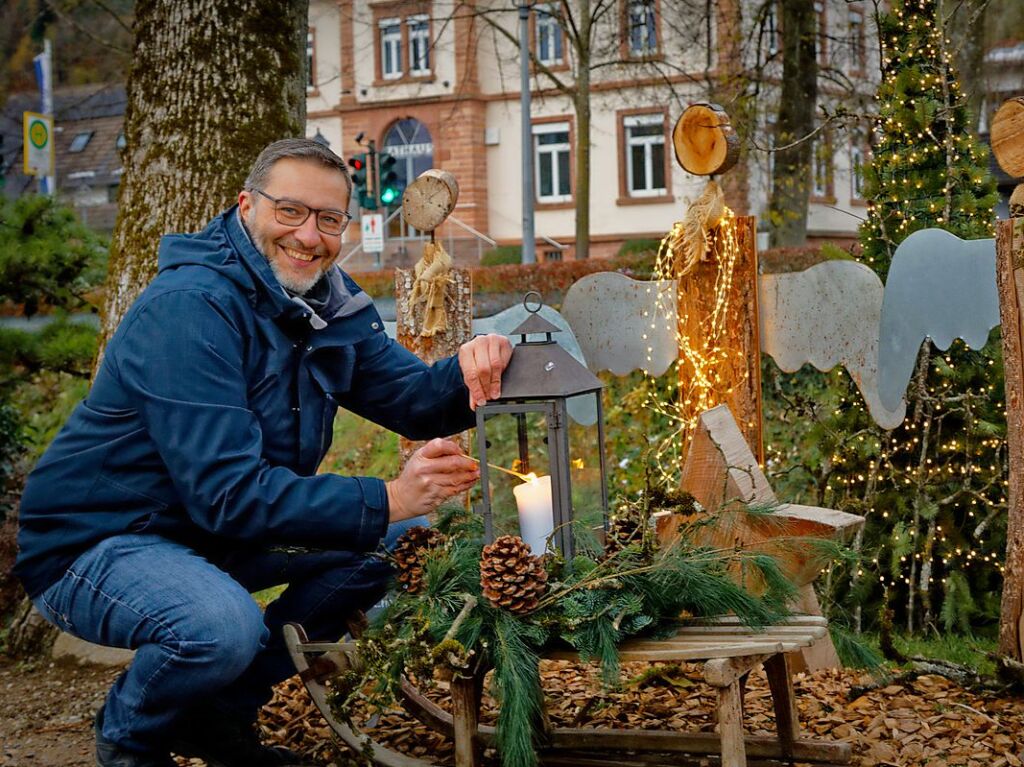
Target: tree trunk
798,99
212,83
965,26
582,99
30,634
1010,279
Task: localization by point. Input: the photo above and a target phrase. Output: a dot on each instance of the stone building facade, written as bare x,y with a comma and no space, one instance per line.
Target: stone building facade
438,84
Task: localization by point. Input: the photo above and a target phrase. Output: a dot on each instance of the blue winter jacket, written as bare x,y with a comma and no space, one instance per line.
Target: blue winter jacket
214,406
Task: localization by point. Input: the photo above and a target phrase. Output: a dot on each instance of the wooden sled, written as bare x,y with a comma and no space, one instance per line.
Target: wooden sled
729,650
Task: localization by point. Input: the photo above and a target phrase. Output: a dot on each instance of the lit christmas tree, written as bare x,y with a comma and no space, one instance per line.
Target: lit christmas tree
934,489
928,170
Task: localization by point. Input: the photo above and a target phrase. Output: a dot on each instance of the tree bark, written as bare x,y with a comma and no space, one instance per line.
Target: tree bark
212,83
1010,279
798,98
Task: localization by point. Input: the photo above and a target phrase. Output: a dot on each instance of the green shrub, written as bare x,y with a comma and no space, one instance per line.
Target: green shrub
47,256
631,247
503,254
62,345
832,252
12,445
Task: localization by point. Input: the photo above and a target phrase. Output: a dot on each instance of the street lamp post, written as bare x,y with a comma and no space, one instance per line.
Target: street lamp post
529,239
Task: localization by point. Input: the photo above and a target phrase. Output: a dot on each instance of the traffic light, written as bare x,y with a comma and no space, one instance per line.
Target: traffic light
359,176
389,189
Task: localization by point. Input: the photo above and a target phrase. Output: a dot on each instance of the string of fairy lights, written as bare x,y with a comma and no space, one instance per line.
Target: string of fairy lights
704,374
929,171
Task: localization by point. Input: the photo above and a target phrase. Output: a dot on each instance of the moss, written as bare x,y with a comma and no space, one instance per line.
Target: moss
212,83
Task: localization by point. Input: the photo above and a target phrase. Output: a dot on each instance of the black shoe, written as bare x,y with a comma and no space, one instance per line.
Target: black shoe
222,741
111,755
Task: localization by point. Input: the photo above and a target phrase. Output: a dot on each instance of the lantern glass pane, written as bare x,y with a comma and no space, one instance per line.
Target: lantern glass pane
502,431
585,461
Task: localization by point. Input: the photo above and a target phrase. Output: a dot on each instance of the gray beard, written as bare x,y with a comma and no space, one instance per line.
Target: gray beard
293,286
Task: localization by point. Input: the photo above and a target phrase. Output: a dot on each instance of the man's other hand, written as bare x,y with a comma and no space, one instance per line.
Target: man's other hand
433,474
483,360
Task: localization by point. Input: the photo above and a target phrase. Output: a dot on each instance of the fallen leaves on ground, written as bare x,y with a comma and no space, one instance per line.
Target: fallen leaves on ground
929,722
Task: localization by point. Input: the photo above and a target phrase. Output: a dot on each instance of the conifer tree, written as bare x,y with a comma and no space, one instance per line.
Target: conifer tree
933,489
927,169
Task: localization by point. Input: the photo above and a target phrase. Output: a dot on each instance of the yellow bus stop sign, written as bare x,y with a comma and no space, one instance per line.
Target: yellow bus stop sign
38,144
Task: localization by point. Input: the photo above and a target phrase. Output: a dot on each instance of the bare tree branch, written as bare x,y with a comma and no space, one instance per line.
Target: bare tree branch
113,14
66,17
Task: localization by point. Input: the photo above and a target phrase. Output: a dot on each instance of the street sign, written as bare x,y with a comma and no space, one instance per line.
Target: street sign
38,144
373,232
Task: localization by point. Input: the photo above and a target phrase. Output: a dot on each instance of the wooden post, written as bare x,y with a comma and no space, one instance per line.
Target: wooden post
1010,281
731,344
465,713
430,349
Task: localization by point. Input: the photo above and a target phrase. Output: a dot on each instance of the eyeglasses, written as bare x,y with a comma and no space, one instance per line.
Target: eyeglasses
292,213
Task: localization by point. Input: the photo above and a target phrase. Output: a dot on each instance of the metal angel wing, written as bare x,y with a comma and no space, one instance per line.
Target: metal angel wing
828,315
939,287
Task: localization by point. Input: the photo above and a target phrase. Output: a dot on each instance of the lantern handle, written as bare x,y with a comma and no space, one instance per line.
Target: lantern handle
539,299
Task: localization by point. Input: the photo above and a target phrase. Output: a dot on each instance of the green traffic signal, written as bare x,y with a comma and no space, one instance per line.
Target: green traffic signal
389,188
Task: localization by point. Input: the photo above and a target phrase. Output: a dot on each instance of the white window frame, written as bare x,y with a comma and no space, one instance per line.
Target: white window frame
640,10
820,168
390,36
858,42
771,28
553,150
310,60
549,31
419,44
647,143
856,171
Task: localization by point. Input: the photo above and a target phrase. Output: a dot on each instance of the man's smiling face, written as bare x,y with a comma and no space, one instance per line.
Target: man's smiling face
299,255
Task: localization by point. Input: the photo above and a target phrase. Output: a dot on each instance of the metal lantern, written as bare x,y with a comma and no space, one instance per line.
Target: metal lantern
536,387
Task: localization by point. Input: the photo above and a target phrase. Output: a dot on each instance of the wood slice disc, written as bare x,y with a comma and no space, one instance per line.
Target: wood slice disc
1008,136
430,199
704,140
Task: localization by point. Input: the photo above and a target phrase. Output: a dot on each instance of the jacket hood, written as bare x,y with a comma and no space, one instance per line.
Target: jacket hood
225,247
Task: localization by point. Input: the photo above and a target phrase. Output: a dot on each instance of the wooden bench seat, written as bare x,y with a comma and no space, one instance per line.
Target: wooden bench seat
729,650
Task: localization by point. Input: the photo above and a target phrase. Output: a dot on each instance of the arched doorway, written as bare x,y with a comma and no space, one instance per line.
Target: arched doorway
410,143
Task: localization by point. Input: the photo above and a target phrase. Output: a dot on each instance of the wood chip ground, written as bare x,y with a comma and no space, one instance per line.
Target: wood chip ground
930,722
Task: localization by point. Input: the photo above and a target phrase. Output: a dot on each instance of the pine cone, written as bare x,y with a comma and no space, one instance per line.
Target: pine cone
625,528
511,577
410,554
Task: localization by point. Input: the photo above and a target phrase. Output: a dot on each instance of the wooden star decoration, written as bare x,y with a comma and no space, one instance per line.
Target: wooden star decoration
722,474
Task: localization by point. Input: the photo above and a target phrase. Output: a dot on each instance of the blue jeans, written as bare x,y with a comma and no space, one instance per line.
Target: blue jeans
199,636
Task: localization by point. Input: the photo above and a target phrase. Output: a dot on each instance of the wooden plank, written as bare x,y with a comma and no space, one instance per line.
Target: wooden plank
465,713
780,682
592,739
344,647
732,620
711,643
721,672
730,726
1009,279
583,759
739,631
699,653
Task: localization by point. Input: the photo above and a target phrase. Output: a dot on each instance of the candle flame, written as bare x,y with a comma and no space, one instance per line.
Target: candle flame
531,477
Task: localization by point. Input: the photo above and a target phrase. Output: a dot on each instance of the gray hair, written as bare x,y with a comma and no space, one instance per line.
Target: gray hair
294,148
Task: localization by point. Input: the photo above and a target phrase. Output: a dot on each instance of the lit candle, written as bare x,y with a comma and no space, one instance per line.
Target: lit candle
536,518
